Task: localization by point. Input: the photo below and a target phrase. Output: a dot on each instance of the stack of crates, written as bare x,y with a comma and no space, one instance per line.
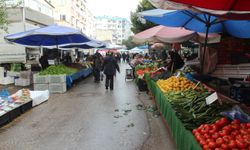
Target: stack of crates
25,78
57,83
53,83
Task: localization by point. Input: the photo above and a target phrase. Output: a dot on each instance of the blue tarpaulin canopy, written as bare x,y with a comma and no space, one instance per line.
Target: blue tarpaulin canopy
50,37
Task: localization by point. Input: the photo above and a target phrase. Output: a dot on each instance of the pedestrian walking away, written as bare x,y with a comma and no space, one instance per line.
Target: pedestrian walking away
109,67
97,66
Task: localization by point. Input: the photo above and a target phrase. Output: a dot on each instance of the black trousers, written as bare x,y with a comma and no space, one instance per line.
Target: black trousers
109,81
96,73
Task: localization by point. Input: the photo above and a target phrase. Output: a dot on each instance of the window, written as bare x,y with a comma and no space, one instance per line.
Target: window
63,17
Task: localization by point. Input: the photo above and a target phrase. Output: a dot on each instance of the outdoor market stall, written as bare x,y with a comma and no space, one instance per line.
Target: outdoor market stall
186,110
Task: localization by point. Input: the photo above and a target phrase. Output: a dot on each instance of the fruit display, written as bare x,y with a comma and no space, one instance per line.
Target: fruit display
223,135
175,84
57,70
191,107
140,70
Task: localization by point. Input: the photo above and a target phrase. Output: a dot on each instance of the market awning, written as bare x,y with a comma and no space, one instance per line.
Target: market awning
172,35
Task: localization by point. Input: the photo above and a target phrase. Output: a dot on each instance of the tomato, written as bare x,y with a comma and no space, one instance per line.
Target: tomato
219,141
247,141
210,140
235,133
248,125
236,126
232,144
241,144
243,125
214,127
205,146
212,145
215,135
236,121
198,137
228,128
223,132
224,146
207,136
203,142
195,131
212,131
227,138
243,131
224,121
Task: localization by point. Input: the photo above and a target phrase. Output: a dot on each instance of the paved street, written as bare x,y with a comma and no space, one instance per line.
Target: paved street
88,117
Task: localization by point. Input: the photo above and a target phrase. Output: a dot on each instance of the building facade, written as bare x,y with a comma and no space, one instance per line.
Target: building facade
28,14
74,13
120,28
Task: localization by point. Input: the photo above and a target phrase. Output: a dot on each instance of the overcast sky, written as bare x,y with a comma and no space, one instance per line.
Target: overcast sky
120,8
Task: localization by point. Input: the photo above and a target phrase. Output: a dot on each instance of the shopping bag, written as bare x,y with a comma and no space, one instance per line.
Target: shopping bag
102,76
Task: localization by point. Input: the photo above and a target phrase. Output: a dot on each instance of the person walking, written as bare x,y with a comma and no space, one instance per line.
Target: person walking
97,66
109,67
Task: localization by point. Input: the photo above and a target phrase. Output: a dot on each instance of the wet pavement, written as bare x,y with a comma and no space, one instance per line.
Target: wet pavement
89,117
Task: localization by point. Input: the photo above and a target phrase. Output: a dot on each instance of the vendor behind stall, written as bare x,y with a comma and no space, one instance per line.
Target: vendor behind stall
44,61
176,61
67,59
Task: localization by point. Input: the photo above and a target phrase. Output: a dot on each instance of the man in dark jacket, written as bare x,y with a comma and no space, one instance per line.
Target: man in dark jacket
176,61
110,66
97,66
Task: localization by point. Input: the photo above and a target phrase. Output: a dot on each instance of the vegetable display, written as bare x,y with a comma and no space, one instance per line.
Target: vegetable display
175,84
191,107
140,70
223,135
57,70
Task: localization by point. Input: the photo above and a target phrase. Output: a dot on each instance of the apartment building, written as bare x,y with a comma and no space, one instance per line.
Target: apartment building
119,27
28,14
74,13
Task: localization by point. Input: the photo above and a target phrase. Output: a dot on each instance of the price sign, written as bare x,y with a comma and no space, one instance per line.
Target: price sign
212,98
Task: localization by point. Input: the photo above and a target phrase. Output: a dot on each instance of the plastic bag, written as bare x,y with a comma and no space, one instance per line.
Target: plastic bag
102,76
4,93
237,113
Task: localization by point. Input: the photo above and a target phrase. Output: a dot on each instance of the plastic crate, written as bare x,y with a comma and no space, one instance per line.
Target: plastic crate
41,87
7,80
40,79
4,119
57,87
26,106
1,72
142,85
26,74
15,113
57,78
22,82
13,74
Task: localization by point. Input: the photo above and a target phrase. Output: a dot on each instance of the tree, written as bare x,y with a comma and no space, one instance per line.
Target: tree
137,25
129,43
3,15
4,5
